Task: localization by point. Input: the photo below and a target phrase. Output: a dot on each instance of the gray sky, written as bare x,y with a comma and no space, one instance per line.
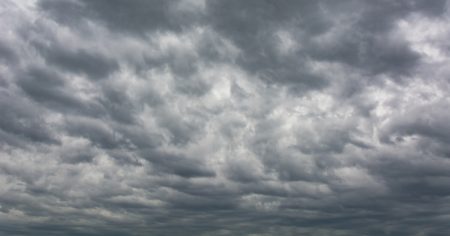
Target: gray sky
229,117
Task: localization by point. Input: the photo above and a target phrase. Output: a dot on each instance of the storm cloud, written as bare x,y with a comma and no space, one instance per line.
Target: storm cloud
207,117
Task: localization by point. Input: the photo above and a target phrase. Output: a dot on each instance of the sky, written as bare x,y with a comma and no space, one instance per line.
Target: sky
230,117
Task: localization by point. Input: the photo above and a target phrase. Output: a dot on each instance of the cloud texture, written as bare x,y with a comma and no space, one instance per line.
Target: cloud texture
191,117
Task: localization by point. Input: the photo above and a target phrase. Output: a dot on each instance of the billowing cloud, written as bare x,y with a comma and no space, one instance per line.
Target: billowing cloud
195,117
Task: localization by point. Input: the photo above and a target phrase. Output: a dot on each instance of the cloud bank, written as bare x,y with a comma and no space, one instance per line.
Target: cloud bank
195,117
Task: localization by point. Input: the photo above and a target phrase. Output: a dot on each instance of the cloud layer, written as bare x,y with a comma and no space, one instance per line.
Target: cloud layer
196,117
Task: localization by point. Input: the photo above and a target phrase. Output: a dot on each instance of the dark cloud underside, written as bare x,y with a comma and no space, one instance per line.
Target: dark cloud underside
194,117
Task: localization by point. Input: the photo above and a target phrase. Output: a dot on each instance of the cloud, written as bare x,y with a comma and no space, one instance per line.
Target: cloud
224,117
78,62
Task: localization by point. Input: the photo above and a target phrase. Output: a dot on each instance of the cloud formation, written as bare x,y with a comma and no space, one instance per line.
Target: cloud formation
195,117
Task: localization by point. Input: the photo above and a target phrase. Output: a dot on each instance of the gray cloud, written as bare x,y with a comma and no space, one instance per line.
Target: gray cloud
78,61
196,117
22,121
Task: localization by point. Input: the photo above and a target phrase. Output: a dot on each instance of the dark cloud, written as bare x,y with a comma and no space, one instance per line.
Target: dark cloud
132,17
96,131
195,117
118,105
365,43
253,27
176,164
46,86
78,61
7,54
421,122
21,121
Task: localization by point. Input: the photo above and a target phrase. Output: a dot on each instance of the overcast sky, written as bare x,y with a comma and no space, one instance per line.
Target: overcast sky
231,117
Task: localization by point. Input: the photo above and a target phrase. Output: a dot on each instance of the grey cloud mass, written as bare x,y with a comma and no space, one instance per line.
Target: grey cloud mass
224,117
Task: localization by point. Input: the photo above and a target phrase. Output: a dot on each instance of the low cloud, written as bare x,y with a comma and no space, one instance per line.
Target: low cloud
224,117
